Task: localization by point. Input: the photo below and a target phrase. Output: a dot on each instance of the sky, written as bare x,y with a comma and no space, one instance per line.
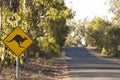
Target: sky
89,8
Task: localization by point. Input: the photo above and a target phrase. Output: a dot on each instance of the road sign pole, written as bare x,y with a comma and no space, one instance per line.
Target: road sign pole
17,68
16,37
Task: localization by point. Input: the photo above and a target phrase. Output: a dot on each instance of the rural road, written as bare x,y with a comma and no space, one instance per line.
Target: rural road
83,65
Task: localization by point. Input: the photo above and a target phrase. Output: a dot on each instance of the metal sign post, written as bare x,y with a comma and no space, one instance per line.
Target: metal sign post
21,41
17,68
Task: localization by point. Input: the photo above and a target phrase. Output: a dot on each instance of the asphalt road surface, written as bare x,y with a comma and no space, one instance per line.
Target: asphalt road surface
83,65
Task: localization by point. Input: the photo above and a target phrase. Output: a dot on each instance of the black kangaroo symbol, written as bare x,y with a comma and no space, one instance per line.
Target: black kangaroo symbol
19,40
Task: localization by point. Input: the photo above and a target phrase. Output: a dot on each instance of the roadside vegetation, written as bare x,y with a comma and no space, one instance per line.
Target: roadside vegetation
43,20
49,24
98,32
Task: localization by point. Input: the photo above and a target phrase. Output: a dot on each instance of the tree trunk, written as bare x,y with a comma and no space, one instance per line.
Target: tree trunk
14,5
3,55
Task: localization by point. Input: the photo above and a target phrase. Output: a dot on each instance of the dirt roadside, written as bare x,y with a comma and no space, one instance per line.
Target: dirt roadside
36,69
97,53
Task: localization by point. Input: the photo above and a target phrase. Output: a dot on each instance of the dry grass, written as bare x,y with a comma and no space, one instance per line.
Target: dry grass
36,69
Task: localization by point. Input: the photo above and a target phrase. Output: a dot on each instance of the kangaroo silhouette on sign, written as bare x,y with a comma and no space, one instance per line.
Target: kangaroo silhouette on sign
19,40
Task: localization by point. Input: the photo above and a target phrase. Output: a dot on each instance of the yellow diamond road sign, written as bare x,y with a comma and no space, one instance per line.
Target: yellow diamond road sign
17,41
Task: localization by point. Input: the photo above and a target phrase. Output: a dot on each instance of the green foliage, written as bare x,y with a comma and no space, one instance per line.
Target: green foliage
97,32
114,41
76,33
43,20
114,8
114,32
104,35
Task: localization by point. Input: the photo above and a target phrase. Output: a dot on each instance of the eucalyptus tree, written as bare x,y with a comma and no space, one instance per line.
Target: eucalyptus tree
97,32
114,31
77,32
43,20
115,9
